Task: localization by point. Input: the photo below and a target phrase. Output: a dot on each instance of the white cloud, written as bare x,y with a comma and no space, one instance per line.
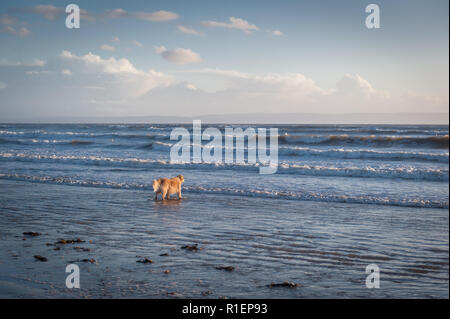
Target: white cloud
12,25
179,55
115,40
49,12
276,32
95,87
33,63
116,13
229,90
66,72
188,30
38,62
66,54
355,84
35,72
8,20
101,86
22,31
88,16
288,86
2,85
191,87
157,16
137,43
120,76
235,23
107,47
110,65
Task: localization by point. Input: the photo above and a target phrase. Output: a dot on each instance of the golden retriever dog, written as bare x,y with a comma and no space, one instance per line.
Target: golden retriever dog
167,187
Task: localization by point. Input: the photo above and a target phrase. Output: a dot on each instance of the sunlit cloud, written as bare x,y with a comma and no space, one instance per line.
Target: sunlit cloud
107,47
49,12
179,55
157,16
33,63
188,30
120,75
235,23
276,33
137,43
12,25
66,72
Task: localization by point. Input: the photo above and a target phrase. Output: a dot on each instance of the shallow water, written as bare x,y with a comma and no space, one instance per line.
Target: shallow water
375,194
323,246
388,165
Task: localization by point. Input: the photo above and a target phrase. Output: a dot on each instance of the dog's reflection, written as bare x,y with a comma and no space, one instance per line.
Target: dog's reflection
168,202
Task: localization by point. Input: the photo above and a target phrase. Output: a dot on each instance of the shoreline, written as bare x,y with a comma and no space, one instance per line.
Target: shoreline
321,246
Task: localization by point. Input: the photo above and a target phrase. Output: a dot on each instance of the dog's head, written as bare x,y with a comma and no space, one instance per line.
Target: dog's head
156,184
181,177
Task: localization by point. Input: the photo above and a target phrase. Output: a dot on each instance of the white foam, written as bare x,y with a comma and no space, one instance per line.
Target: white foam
406,172
305,196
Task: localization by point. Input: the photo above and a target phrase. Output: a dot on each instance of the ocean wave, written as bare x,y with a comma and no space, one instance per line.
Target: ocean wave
305,152
440,142
364,154
302,196
407,172
432,142
34,141
398,172
368,130
321,136
78,142
321,197
41,133
148,146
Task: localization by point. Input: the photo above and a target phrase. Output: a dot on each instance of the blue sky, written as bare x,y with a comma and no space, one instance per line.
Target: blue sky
188,57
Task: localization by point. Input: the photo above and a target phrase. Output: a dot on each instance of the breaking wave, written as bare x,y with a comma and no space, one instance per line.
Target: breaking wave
439,142
364,154
413,173
302,196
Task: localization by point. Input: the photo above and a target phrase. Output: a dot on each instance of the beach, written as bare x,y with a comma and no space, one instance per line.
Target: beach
344,197
324,247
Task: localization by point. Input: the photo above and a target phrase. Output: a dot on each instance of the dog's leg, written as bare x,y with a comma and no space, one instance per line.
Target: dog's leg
179,192
156,197
164,195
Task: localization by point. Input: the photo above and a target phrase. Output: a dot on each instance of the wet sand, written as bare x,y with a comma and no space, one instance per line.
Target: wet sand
213,246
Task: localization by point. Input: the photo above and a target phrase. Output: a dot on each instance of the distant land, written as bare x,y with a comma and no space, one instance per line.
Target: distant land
258,118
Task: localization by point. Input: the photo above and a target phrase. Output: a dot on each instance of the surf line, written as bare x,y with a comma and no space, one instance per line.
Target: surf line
212,152
199,309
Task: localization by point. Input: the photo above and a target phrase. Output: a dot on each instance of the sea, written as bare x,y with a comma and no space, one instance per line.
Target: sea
343,197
